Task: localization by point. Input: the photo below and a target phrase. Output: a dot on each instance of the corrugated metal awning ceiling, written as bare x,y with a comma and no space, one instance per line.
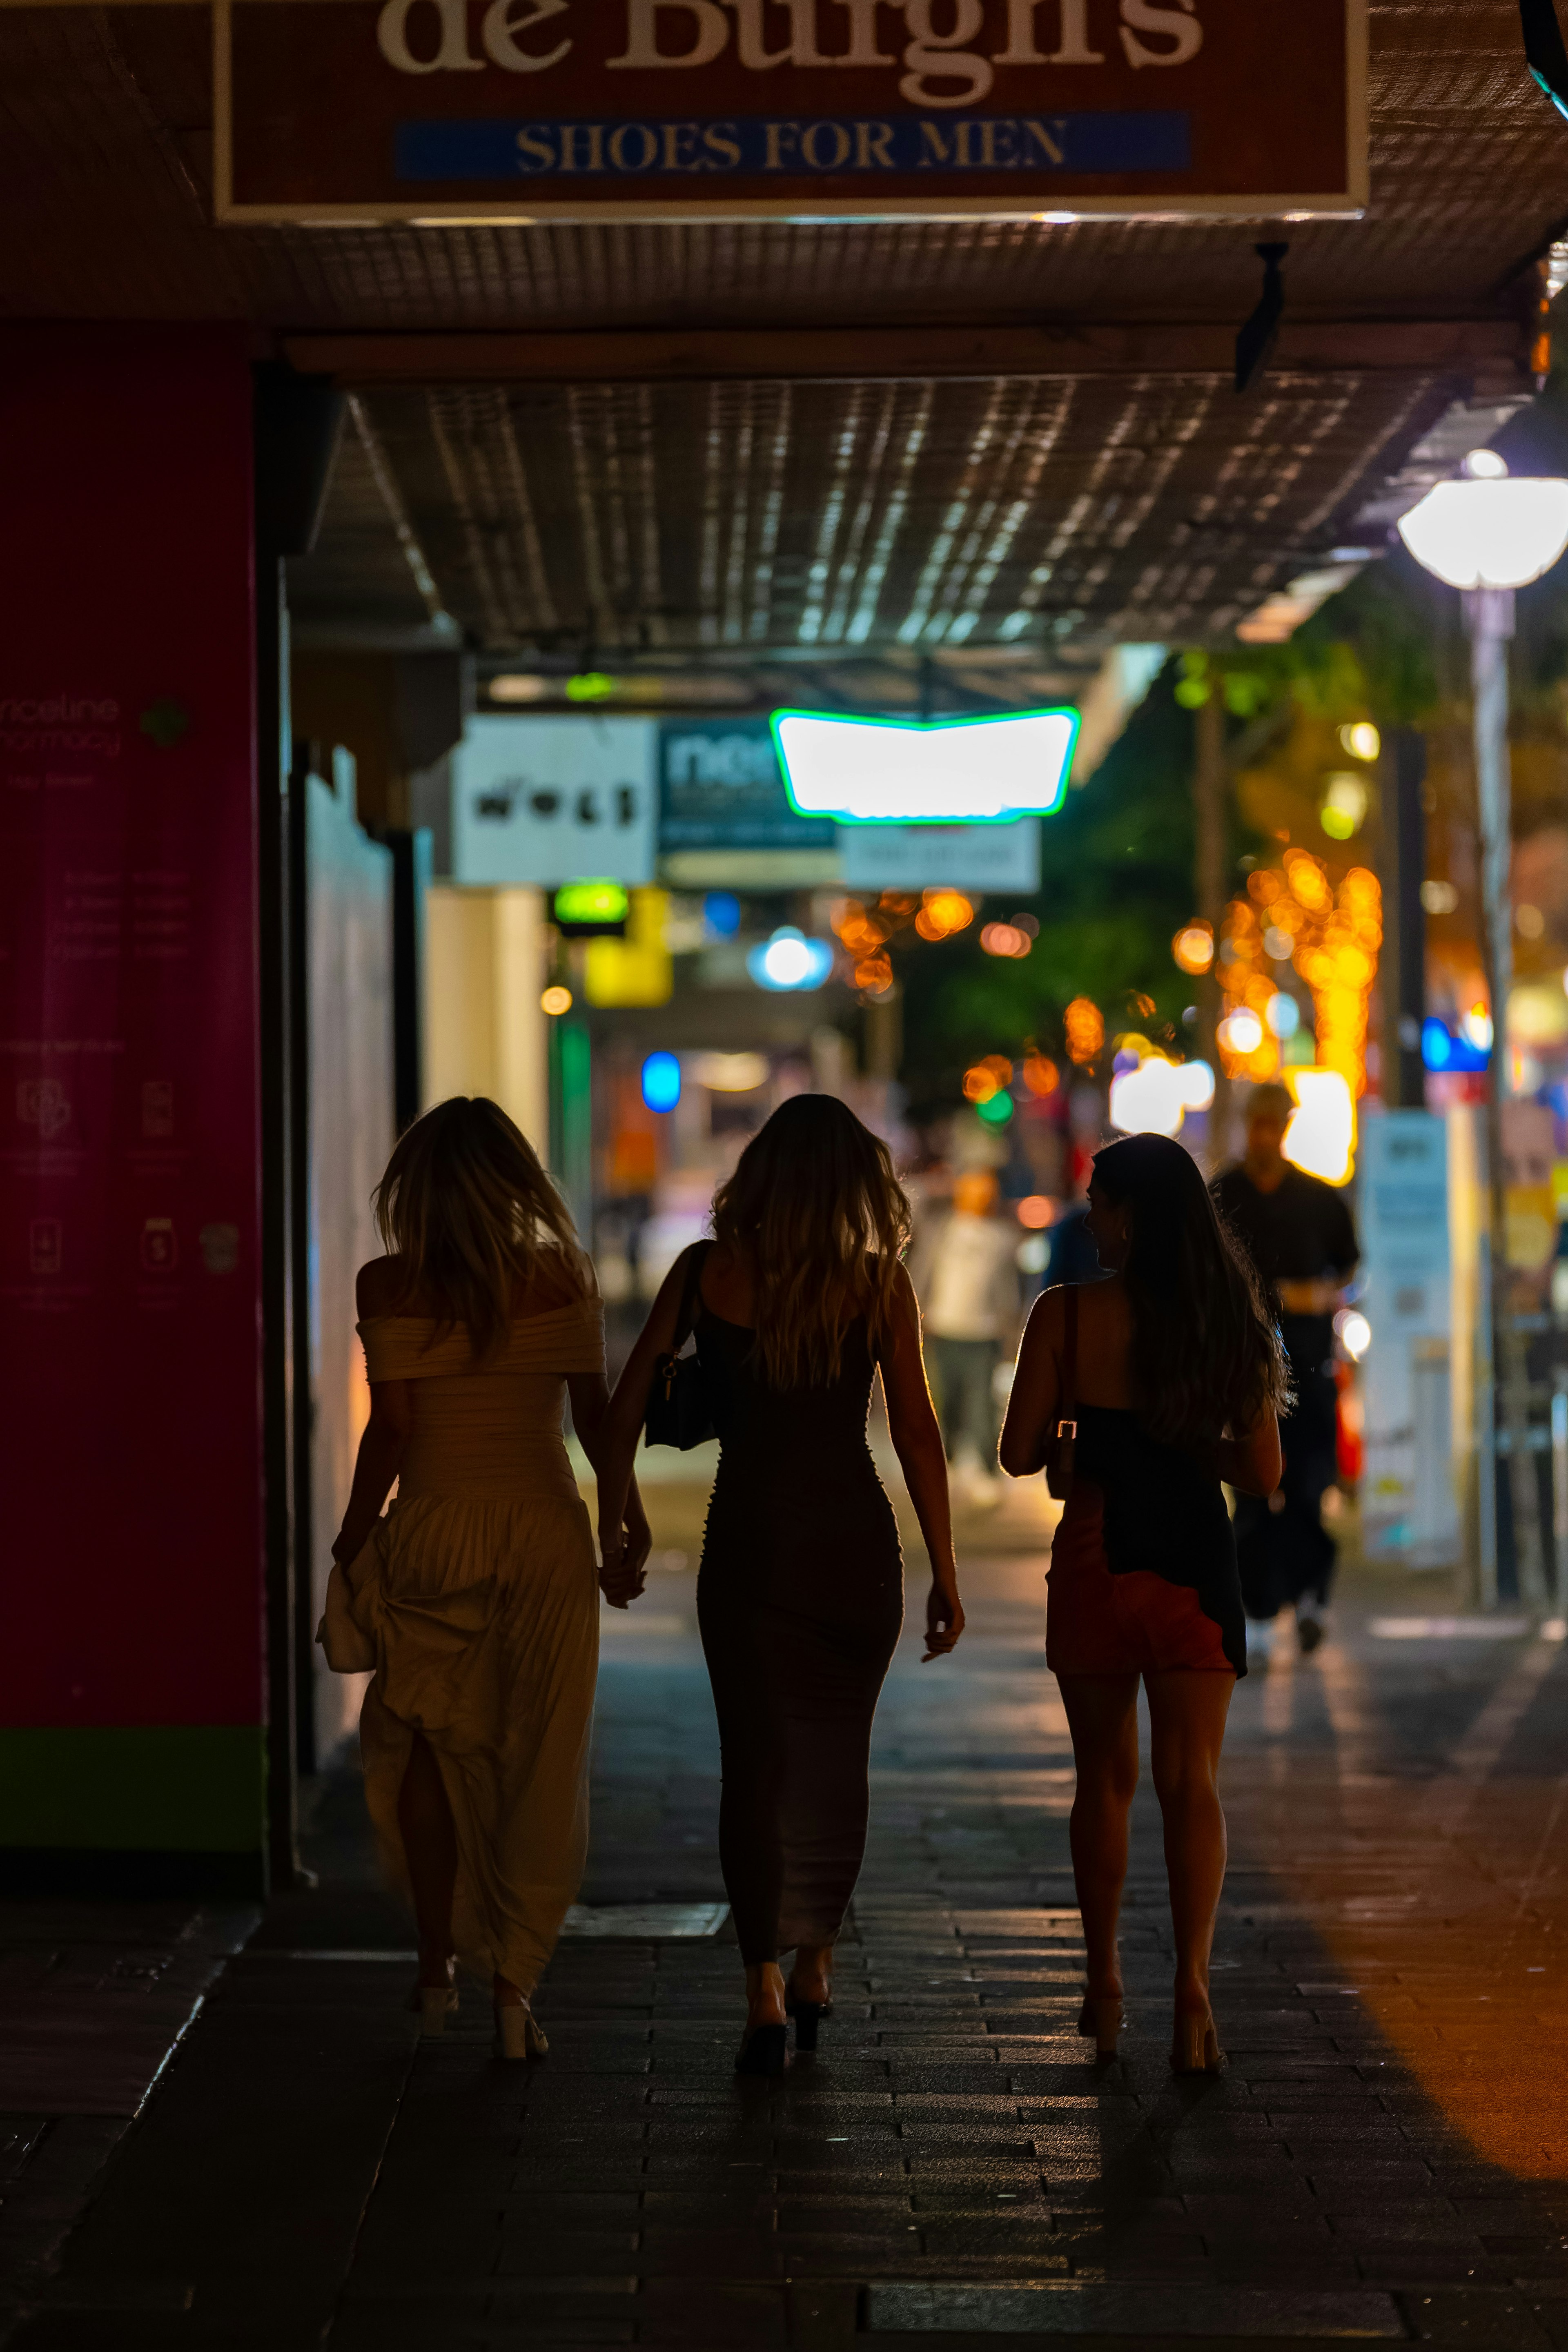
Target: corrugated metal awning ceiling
743,517
773,513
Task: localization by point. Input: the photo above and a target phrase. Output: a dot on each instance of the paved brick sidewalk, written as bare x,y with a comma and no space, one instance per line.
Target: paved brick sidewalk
1385,2157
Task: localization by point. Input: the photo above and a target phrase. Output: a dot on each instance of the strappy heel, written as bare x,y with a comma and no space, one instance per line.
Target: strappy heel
1195,2048
1099,2020
765,2051
518,2033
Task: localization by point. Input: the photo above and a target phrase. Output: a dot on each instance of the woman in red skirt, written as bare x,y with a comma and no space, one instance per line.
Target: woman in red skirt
1145,1391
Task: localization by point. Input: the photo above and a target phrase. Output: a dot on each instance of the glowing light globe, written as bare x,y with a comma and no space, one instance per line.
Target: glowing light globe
790,960
1488,531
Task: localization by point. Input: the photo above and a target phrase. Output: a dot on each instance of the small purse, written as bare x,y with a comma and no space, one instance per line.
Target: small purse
1062,1444
349,1649
680,1412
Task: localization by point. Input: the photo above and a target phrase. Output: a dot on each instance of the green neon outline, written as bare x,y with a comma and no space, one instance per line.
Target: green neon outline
928,727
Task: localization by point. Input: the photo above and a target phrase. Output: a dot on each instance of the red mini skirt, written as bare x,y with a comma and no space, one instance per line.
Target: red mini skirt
1137,1623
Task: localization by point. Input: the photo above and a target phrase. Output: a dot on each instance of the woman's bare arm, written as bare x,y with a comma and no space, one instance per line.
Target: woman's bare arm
376,1466
917,1442
590,1397
381,1448
620,1429
1036,1386
1253,1464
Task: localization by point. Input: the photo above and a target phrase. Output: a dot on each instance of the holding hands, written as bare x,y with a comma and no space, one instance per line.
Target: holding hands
623,1548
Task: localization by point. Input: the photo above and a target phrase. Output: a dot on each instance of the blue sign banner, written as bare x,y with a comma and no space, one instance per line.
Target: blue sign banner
721,787
756,146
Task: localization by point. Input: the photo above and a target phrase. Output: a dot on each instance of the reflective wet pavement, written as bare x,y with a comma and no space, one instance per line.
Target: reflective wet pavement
1385,2157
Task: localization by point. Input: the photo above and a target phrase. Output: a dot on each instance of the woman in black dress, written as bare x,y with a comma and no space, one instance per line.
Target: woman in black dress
800,1299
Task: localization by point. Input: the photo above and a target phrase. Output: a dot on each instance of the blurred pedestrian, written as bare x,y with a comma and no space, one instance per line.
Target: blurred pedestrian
965,1270
1142,1393
473,1601
1072,1254
797,1302
1301,1239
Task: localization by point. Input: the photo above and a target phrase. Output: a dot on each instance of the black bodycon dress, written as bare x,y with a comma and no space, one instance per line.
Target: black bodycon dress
800,1600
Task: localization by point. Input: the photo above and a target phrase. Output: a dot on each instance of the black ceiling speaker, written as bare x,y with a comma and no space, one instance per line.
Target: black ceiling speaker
1543,50
1255,344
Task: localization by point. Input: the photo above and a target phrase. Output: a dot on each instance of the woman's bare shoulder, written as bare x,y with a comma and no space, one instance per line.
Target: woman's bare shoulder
559,1278
1048,1315
377,1287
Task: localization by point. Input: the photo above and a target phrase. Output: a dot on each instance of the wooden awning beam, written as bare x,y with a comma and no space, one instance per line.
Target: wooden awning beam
1493,353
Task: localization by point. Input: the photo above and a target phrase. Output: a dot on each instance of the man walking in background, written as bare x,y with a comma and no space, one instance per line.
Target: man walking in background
1303,1243
966,1276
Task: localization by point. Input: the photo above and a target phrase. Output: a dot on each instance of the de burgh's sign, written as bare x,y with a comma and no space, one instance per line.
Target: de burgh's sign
443,109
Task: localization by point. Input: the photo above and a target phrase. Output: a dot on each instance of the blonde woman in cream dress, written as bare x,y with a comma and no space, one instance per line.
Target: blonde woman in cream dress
476,1591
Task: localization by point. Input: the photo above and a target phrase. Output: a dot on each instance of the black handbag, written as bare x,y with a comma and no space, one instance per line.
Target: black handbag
680,1412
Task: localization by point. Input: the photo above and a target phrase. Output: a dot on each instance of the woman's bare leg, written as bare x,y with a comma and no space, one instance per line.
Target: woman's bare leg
1187,1715
1102,1715
811,1976
765,1995
430,1844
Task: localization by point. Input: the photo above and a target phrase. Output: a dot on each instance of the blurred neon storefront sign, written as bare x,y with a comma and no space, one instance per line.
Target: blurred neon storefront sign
985,770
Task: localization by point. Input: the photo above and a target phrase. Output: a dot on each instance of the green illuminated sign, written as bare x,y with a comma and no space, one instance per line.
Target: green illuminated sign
591,902
985,770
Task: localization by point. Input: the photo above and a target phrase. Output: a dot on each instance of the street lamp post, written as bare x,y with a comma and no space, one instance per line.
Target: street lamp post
1488,535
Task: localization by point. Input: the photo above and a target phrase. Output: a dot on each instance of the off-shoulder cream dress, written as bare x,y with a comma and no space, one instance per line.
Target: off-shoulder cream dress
479,1591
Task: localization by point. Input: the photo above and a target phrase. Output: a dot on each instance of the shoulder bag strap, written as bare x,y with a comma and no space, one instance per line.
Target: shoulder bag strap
1067,1417
691,1298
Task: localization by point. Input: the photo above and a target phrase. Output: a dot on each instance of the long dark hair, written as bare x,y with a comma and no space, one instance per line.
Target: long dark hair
1206,1355
815,1210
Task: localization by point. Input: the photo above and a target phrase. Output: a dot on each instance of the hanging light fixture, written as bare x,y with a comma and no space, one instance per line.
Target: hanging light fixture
1488,529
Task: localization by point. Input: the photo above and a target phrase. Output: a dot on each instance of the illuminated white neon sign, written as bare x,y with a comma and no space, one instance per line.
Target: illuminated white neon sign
947,772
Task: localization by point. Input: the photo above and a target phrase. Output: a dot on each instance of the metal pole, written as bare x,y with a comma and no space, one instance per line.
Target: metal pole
1402,1062
1209,877
1560,1488
1489,618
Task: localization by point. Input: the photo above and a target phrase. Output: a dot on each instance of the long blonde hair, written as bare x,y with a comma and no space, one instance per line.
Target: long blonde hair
815,1210
468,1209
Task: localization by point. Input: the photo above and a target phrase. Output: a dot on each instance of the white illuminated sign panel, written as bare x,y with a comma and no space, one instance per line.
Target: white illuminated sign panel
948,772
552,801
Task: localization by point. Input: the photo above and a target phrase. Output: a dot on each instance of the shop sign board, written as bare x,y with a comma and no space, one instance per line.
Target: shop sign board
1409,1507
941,856
721,787
551,801
639,110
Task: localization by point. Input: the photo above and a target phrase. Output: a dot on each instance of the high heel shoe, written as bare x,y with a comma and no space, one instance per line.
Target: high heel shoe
1196,2050
764,2051
808,2015
518,2033
1100,2020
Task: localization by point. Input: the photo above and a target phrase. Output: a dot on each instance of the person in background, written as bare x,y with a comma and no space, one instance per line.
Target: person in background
965,1272
1300,1237
1073,1256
